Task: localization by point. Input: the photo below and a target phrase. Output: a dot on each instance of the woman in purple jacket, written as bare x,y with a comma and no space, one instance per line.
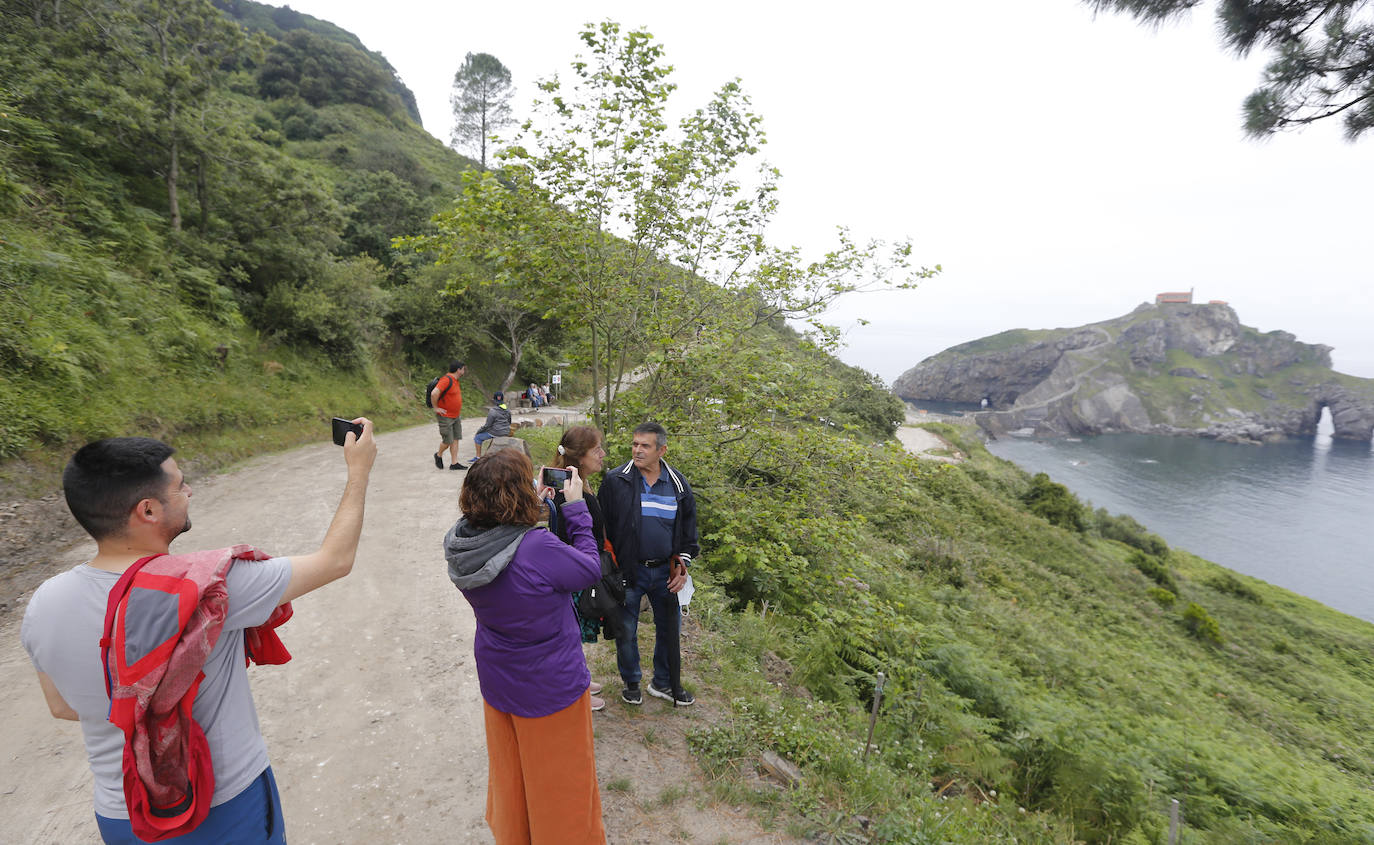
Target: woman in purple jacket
541,785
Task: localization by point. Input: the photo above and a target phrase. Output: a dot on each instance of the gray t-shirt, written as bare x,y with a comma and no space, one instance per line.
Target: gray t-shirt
61,632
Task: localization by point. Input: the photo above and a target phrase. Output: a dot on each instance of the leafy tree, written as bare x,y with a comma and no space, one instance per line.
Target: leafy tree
1323,63
339,310
481,102
381,206
502,313
645,237
173,53
867,403
421,312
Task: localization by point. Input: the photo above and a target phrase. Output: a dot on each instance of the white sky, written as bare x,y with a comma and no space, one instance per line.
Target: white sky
1062,169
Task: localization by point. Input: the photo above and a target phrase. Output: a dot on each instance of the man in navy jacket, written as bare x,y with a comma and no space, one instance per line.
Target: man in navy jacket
651,521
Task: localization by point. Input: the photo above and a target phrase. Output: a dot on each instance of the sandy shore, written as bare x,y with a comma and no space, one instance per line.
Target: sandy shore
923,443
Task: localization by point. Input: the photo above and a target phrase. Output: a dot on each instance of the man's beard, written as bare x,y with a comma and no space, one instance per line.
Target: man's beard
184,528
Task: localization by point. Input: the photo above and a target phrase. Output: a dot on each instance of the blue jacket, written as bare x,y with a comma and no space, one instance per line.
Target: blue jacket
619,500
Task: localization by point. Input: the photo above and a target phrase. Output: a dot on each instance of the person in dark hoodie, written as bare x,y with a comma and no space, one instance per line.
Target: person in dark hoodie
519,579
497,424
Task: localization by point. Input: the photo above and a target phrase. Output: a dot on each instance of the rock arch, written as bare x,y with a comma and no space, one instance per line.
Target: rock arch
1351,415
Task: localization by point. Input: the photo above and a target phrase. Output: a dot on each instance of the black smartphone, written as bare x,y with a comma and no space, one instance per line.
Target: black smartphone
342,427
554,477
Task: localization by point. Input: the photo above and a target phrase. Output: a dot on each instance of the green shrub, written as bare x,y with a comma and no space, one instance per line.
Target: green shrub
1228,583
1154,569
1201,624
340,311
866,403
1124,529
1161,595
1054,503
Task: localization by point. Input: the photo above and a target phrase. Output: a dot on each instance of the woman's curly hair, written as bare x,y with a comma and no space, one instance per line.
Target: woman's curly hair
499,490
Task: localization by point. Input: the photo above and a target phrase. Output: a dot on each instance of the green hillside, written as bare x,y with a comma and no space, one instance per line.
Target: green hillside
310,36
273,299
201,248
1053,674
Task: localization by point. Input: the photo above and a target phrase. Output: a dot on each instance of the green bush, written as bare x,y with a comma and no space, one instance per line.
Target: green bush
1201,624
1226,582
340,311
1124,529
1054,503
1154,569
866,403
1161,595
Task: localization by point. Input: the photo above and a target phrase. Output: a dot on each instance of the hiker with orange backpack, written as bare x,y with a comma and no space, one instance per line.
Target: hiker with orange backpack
147,649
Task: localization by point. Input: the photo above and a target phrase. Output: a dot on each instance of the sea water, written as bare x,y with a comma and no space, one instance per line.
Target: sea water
1297,513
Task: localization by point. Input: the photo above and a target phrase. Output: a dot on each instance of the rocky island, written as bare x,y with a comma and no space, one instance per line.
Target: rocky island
1172,367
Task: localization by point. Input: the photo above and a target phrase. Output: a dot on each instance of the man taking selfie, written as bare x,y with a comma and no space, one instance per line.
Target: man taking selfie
131,497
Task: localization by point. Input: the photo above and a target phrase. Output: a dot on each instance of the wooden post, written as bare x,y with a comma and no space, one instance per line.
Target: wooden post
873,718
1173,822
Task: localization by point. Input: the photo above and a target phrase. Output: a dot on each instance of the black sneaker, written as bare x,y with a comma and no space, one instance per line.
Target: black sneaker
632,695
456,466
438,460
680,698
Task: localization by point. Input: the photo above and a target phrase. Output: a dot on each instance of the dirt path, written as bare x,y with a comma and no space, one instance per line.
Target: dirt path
375,728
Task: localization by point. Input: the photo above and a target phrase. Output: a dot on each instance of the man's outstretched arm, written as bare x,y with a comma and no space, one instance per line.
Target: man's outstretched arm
340,546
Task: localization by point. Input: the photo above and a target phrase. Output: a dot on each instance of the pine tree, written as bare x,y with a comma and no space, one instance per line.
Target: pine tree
481,102
1323,64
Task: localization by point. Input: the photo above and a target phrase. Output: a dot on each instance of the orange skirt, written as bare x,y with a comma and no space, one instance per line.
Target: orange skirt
541,778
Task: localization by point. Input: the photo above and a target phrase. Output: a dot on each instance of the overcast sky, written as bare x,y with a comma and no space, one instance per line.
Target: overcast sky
1062,168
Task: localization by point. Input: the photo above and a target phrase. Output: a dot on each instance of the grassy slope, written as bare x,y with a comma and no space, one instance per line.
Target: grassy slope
1040,668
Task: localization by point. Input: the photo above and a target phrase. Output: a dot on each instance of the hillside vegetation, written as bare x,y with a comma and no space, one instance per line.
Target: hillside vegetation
1053,674
203,249
202,243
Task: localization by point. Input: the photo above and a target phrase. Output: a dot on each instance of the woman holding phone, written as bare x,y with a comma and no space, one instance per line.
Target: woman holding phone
519,579
581,449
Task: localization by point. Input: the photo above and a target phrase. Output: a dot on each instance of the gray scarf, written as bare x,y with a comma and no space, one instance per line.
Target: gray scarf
477,555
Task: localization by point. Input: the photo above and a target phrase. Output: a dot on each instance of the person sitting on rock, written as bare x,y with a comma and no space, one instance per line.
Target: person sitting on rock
497,424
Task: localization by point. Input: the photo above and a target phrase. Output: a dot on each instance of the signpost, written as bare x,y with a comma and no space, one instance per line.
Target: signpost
556,377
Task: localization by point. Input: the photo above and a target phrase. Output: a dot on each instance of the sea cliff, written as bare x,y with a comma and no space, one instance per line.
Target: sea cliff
1183,369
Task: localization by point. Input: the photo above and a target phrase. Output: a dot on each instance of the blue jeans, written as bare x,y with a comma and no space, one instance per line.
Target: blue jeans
651,581
252,816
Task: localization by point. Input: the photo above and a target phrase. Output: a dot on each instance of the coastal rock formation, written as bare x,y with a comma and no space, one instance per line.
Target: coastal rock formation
1162,369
